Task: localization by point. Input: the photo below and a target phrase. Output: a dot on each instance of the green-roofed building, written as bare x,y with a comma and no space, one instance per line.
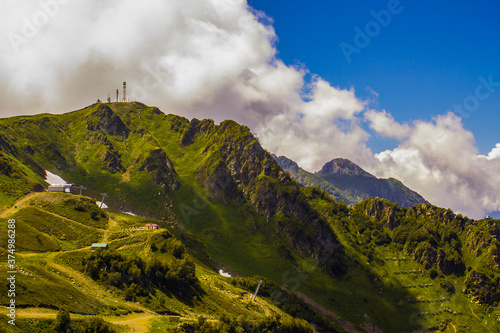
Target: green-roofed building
103,246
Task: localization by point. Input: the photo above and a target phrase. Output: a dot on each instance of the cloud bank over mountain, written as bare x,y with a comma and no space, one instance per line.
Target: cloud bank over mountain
218,59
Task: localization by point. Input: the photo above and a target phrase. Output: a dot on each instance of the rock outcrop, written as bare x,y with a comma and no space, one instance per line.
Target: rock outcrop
161,170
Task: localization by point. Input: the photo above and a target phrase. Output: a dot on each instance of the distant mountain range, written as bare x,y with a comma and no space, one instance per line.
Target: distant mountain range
348,182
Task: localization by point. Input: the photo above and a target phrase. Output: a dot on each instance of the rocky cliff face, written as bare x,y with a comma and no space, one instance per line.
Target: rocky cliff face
104,118
161,170
382,210
483,288
246,210
286,163
237,166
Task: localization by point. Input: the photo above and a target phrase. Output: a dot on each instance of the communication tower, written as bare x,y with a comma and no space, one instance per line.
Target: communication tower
124,91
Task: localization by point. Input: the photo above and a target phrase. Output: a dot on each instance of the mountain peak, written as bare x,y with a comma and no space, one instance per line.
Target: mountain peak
286,163
342,166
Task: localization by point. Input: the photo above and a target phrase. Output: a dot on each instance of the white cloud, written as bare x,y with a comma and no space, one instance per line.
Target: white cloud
439,160
385,125
217,59
493,154
197,58
314,131
436,158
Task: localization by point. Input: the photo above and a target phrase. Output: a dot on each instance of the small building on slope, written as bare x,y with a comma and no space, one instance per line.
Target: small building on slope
61,188
102,246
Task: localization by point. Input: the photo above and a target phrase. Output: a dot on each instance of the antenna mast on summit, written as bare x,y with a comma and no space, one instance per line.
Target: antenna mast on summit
117,93
124,91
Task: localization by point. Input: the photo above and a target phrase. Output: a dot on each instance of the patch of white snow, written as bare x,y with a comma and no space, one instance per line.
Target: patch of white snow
103,204
54,179
221,272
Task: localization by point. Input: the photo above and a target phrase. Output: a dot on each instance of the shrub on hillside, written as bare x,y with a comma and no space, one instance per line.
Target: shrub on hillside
134,275
63,324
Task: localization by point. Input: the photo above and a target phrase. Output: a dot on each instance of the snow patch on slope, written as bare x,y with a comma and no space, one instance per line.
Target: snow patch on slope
104,206
54,179
221,272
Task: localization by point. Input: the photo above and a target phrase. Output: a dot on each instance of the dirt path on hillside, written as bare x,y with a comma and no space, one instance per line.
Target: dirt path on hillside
112,223
93,288
88,286
18,204
345,324
473,313
85,284
67,219
137,322
41,313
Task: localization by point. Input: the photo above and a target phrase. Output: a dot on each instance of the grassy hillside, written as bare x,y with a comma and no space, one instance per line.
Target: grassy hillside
222,201
425,259
196,173
125,281
16,179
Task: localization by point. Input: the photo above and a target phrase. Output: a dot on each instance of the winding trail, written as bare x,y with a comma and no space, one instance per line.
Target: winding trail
19,204
475,315
112,223
137,322
139,317
87,285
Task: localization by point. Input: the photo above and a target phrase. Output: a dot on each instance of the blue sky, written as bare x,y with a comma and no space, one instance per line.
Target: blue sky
426,60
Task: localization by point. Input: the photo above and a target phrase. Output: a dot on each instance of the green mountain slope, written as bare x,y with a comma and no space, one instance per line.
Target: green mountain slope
145,271
222,201
445,263
346,181
146,160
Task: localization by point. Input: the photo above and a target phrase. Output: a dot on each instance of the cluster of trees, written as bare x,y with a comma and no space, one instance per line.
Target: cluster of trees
435,237
165,243
84,205
428,233
136,276
432,244
63,324
227,324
